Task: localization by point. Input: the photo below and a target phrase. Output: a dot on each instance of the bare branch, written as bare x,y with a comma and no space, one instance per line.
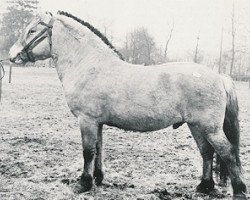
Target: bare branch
167,42
197,48
221,43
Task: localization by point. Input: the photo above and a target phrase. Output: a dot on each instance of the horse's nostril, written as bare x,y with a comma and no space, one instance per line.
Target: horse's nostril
12,59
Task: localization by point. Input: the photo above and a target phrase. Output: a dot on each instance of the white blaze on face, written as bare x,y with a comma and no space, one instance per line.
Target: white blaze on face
15,50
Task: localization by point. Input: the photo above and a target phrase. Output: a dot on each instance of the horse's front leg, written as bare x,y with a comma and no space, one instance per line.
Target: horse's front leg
89,131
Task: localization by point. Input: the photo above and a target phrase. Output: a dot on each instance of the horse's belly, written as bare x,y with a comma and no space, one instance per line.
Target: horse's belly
143,123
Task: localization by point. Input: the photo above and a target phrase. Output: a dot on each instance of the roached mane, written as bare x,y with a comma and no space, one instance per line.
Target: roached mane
94,30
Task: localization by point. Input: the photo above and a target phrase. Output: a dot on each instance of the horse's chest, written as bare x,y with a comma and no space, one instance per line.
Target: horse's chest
84,101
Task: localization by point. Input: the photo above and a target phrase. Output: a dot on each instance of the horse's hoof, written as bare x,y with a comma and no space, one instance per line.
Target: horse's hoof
239,197
205,186
79,188
85,184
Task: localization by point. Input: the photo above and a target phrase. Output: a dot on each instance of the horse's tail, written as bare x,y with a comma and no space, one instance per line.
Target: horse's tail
230,127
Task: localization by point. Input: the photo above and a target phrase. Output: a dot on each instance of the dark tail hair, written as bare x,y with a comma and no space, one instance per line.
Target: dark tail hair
230,128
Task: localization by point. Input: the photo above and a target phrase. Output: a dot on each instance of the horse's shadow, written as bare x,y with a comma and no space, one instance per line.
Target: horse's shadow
162,193
121,186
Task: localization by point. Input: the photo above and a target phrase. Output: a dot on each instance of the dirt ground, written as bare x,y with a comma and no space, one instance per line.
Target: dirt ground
41,158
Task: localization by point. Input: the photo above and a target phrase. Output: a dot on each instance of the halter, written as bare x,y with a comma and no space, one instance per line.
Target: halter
27,49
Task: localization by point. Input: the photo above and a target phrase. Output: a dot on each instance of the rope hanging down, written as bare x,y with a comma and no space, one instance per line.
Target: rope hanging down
2,68
1,76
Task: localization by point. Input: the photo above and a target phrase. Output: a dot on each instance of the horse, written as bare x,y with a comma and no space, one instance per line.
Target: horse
101,88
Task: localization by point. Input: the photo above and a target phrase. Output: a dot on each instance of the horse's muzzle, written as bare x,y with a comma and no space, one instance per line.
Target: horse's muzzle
17,55
21,58
17,60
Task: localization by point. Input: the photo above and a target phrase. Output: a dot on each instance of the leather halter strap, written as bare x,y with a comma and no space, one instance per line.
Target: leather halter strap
27,50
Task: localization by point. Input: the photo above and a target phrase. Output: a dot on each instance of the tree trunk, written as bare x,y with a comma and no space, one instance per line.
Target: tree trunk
233,42
233,56
0,84
167,42
196,50
10,73
221,43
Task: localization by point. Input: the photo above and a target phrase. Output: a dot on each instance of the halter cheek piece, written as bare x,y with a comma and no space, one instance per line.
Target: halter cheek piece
27,50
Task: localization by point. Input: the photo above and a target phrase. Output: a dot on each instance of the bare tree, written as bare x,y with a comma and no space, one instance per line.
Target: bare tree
13,20
196,49
1,84
139,47
221,43
125,50
134,48
169,36
107,30
149,43
233,33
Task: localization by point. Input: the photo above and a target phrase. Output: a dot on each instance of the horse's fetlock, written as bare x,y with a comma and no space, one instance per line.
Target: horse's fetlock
86,181
239,188
98,174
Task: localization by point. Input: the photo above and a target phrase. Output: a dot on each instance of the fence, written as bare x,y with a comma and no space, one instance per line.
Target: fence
245,78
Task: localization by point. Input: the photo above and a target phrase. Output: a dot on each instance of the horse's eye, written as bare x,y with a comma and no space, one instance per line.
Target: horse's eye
31,31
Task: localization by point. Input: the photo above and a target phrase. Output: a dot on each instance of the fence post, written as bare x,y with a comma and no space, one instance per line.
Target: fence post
10,73
0,84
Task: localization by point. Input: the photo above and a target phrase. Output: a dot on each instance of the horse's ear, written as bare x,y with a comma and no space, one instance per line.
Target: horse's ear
49,13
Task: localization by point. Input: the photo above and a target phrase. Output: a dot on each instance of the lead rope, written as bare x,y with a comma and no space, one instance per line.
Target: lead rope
2,68
2,75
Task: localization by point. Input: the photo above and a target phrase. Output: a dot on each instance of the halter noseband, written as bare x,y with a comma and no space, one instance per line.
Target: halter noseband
27,49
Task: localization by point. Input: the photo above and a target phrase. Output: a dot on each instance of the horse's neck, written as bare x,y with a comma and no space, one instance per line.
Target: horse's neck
77,54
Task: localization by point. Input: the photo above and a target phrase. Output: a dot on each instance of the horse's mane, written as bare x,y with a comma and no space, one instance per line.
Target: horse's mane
94,30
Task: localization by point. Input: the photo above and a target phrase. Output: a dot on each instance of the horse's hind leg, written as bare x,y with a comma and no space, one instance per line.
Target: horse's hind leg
207,151
89,130
226,151
98,173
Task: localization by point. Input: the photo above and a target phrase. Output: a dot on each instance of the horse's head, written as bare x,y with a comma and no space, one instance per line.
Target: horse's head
35,41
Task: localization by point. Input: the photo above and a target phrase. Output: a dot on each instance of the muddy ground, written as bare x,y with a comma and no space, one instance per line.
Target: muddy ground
40,149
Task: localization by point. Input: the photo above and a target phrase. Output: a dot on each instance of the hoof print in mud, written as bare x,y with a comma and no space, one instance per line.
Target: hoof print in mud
162,194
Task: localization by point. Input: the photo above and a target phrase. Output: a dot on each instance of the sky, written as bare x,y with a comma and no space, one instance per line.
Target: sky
191,18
